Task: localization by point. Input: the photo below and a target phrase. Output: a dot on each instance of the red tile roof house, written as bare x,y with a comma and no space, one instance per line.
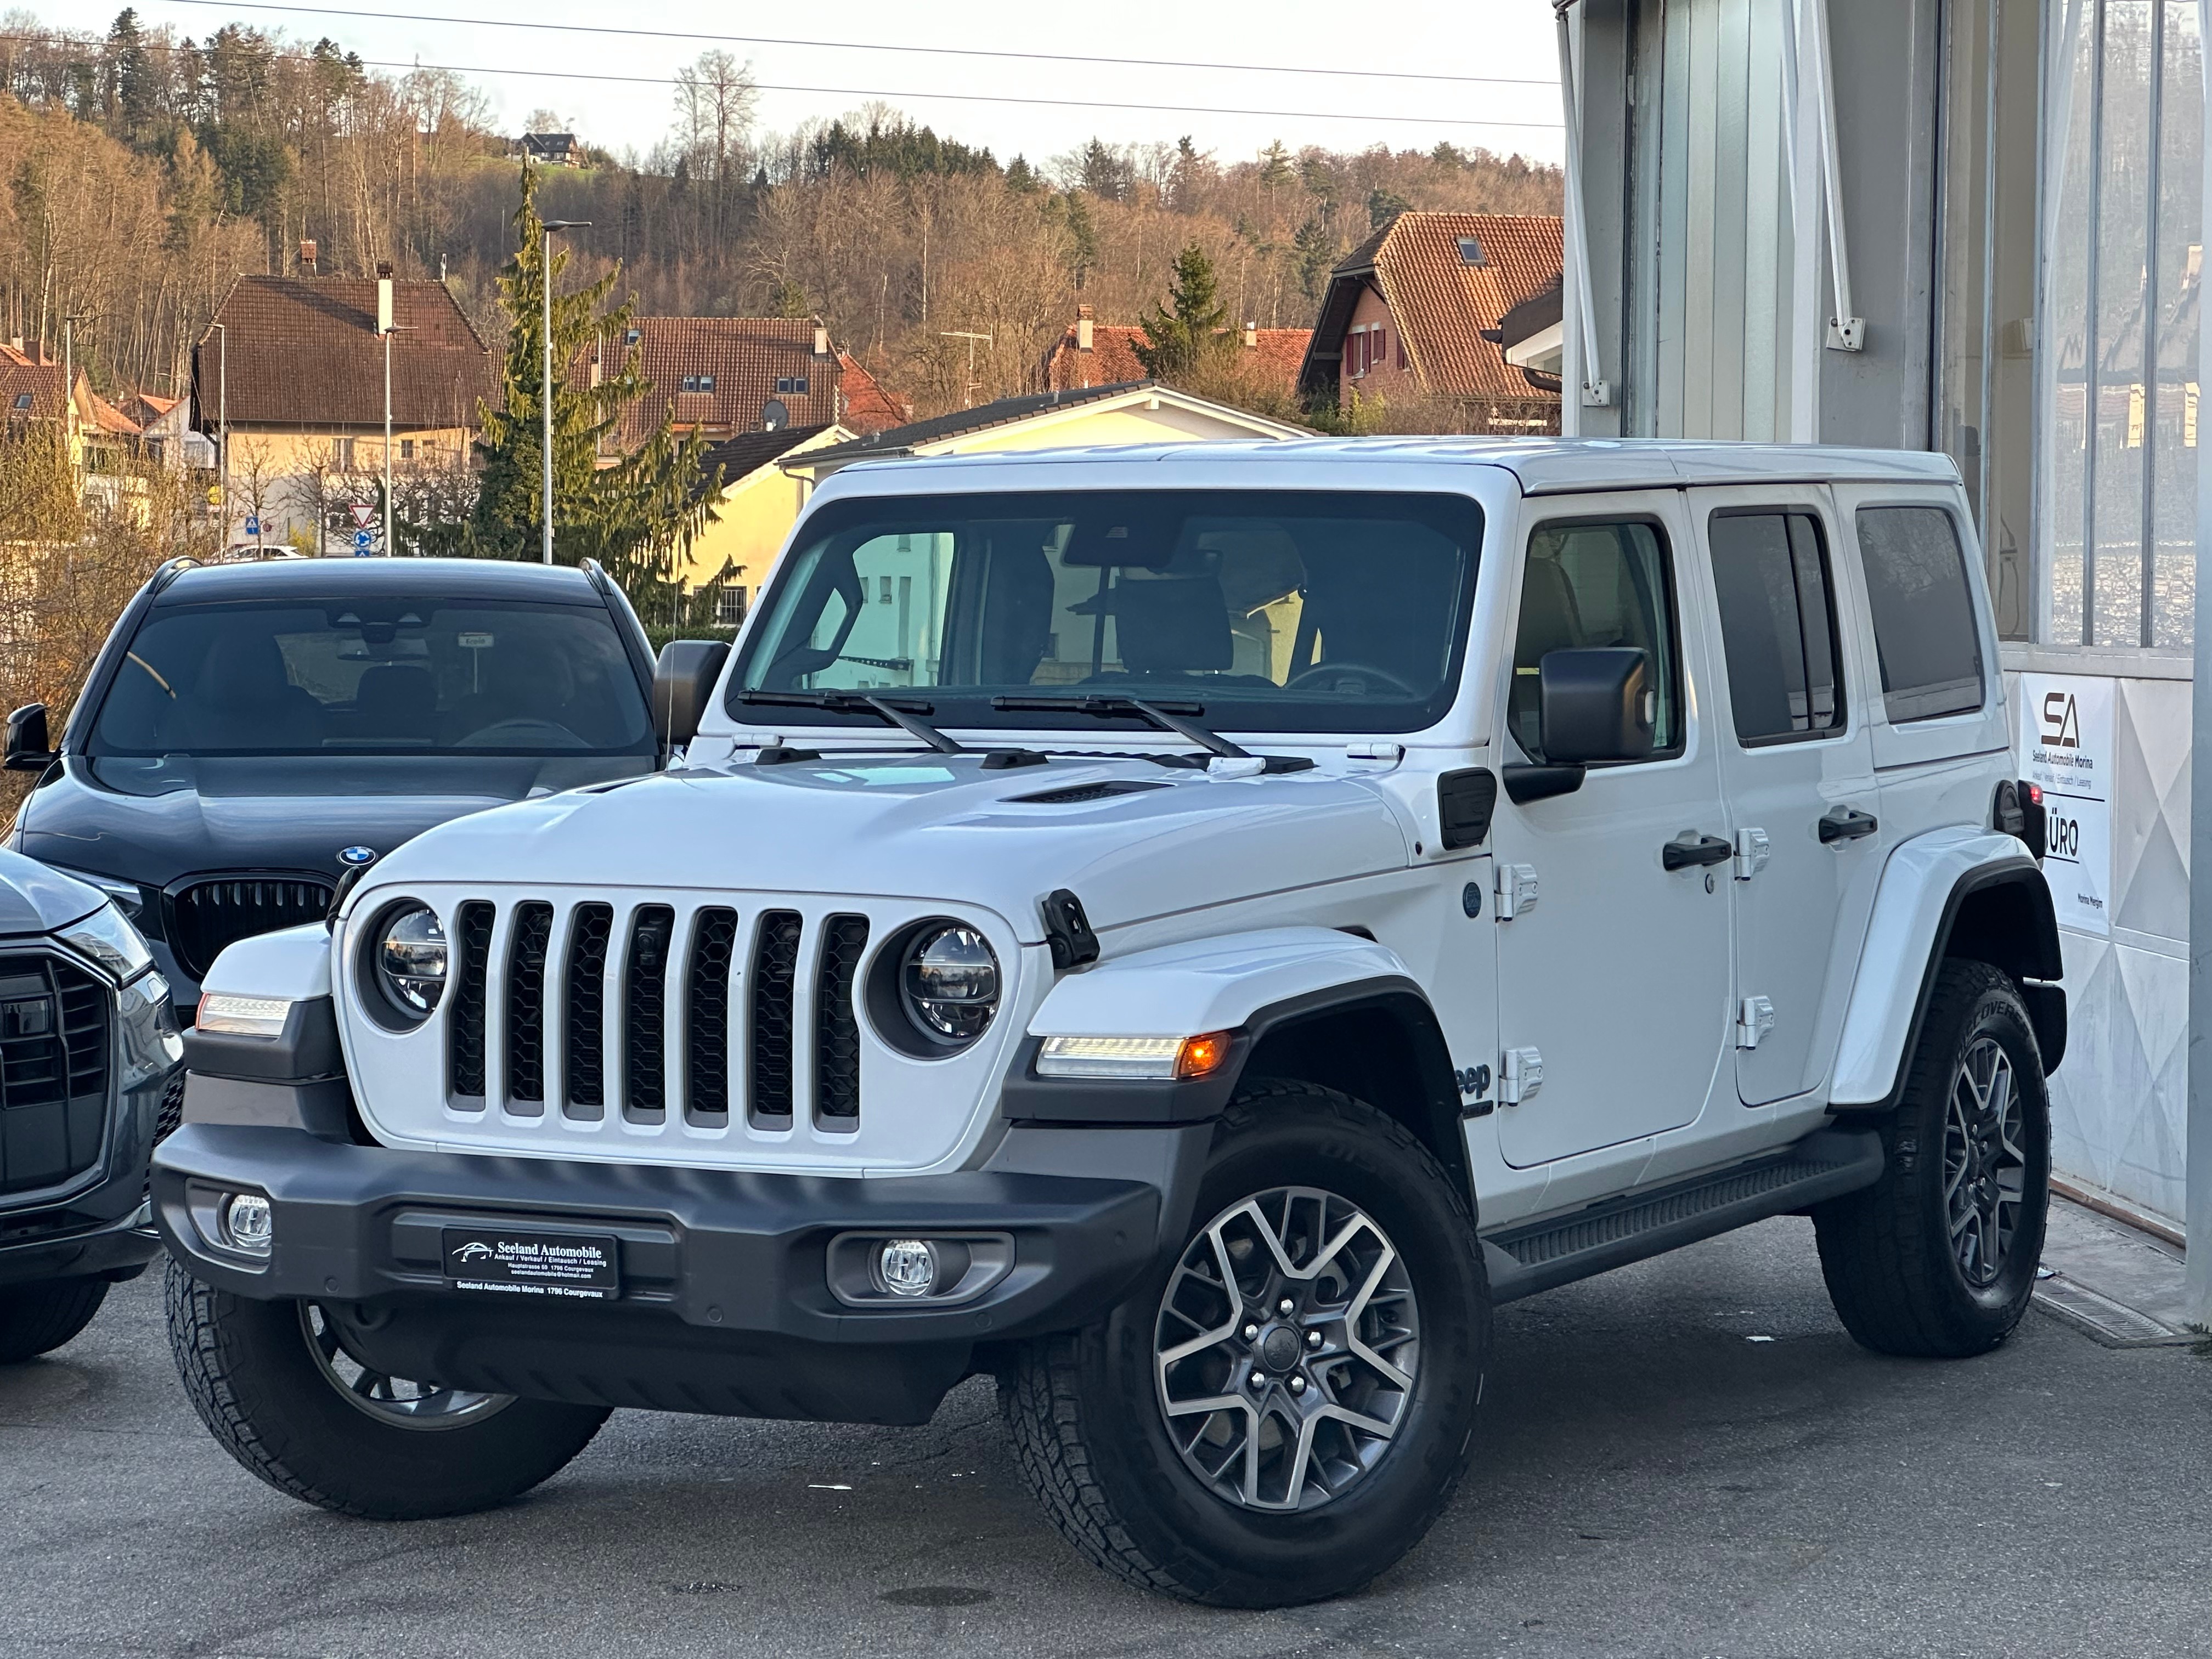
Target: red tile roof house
1092,353
1405,311
725,376
294,366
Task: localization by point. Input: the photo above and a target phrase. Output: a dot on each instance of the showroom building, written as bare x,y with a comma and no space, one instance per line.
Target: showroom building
1973,226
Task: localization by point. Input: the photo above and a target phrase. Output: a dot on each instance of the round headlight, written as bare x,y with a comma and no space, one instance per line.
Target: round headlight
410,960
951,982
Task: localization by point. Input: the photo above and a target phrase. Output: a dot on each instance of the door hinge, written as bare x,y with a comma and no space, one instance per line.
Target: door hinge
1520,1075
1516,890
1753,1021
1753,849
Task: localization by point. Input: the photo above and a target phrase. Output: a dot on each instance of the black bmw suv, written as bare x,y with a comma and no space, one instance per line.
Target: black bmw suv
251,731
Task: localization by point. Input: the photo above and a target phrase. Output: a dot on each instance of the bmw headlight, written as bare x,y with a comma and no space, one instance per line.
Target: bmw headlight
949,981
112,942
409,958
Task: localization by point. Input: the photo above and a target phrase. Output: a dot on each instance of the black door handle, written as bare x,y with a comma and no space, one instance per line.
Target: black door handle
1847,823
1680,854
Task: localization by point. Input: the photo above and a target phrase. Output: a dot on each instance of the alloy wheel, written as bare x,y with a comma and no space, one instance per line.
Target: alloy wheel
1984,1167
1287,1349
393,1400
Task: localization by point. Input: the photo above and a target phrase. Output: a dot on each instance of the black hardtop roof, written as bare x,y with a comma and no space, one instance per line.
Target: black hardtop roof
341,579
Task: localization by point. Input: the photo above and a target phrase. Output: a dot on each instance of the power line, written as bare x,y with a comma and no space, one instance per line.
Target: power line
879,92
862,45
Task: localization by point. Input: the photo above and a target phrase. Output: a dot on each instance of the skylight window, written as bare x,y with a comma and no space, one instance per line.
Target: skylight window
1470,251
22,400
791,385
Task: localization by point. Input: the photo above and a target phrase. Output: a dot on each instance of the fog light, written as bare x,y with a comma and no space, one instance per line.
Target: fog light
250,1223
907,1266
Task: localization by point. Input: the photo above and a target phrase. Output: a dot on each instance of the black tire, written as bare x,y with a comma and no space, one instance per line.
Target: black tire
1086,1408
36,1319
253,1376
1903,1279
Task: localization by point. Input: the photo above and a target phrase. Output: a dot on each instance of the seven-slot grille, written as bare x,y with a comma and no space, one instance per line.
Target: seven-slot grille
53,1071
628,1012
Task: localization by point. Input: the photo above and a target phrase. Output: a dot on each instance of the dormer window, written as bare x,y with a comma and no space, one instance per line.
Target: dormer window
1470,251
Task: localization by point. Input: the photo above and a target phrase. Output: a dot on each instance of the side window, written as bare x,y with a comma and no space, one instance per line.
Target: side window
1597,585
1777,624
1924,625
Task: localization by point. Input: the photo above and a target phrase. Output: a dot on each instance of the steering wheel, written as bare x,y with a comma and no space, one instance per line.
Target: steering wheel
525,732
1366,672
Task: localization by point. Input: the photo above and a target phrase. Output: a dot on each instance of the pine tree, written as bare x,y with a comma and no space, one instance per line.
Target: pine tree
1178,340
632,517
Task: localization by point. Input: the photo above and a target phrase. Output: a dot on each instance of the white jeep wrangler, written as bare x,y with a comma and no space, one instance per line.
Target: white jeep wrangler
1188,931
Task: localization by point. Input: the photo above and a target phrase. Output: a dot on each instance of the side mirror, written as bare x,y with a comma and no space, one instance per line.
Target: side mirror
29,749
683,680
1594,705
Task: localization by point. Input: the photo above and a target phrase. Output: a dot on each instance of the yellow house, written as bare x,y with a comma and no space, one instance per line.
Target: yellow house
292,372
759,502
1135,412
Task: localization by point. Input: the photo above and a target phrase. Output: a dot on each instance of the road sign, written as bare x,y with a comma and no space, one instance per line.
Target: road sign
363,541
252,524
363,512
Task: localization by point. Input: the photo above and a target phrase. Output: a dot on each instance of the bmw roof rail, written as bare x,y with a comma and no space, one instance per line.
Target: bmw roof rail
172,570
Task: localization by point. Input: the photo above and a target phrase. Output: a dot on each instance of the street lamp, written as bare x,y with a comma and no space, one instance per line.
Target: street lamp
222,422
546,227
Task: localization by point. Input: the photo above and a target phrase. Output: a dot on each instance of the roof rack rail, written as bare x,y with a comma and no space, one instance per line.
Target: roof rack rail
172,570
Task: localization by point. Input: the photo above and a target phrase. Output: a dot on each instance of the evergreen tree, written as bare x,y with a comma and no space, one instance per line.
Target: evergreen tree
632,516
1182,335
1314,250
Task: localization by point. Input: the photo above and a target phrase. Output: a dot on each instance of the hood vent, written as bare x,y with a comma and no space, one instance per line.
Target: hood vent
1075,794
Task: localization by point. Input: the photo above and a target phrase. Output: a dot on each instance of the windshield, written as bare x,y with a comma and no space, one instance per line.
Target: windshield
375,676
1279,610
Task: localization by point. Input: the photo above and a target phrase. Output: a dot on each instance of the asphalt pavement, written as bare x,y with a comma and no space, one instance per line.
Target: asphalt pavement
1687,1457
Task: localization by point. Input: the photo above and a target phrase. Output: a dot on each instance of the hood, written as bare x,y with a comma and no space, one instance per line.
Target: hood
154,821
36,900
1133,840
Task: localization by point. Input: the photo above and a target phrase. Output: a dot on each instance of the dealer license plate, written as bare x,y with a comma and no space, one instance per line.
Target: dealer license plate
514,1262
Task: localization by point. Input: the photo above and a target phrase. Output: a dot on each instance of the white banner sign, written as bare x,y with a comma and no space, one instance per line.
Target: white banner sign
2066,746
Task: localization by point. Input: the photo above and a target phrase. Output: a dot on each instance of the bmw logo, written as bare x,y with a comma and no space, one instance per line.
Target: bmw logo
357,856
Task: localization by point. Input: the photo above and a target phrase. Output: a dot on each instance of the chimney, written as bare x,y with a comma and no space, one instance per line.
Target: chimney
308,256
1251,337
820,341
1084,326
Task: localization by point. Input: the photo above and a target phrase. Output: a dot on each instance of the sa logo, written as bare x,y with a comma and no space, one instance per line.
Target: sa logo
2062,721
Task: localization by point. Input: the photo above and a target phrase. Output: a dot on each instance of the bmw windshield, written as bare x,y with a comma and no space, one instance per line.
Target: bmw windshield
360,678
1280,610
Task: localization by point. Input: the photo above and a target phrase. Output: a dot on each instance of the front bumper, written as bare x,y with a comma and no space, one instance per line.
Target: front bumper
725,1303
111,1249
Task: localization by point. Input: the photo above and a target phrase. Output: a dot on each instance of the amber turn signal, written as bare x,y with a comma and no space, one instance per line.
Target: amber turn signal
1201,1056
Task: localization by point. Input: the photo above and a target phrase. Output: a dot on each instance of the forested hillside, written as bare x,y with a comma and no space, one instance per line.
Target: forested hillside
144,170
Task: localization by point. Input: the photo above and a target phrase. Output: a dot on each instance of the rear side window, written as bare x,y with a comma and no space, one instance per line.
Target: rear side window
1923,613
1771,574
1595,584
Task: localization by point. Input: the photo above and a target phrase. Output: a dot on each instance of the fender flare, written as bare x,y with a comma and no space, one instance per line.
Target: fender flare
1960,891
1265,988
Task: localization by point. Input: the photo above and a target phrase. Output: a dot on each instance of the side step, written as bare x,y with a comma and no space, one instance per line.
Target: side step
1542,1254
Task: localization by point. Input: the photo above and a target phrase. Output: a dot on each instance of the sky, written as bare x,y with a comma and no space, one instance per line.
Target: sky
1472,72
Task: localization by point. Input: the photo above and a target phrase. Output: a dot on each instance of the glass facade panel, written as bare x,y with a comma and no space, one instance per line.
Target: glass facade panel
2172,434
1986,321
2123,225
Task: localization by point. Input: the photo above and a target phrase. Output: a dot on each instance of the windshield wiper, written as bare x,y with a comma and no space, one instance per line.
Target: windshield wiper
905,713
1177,718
